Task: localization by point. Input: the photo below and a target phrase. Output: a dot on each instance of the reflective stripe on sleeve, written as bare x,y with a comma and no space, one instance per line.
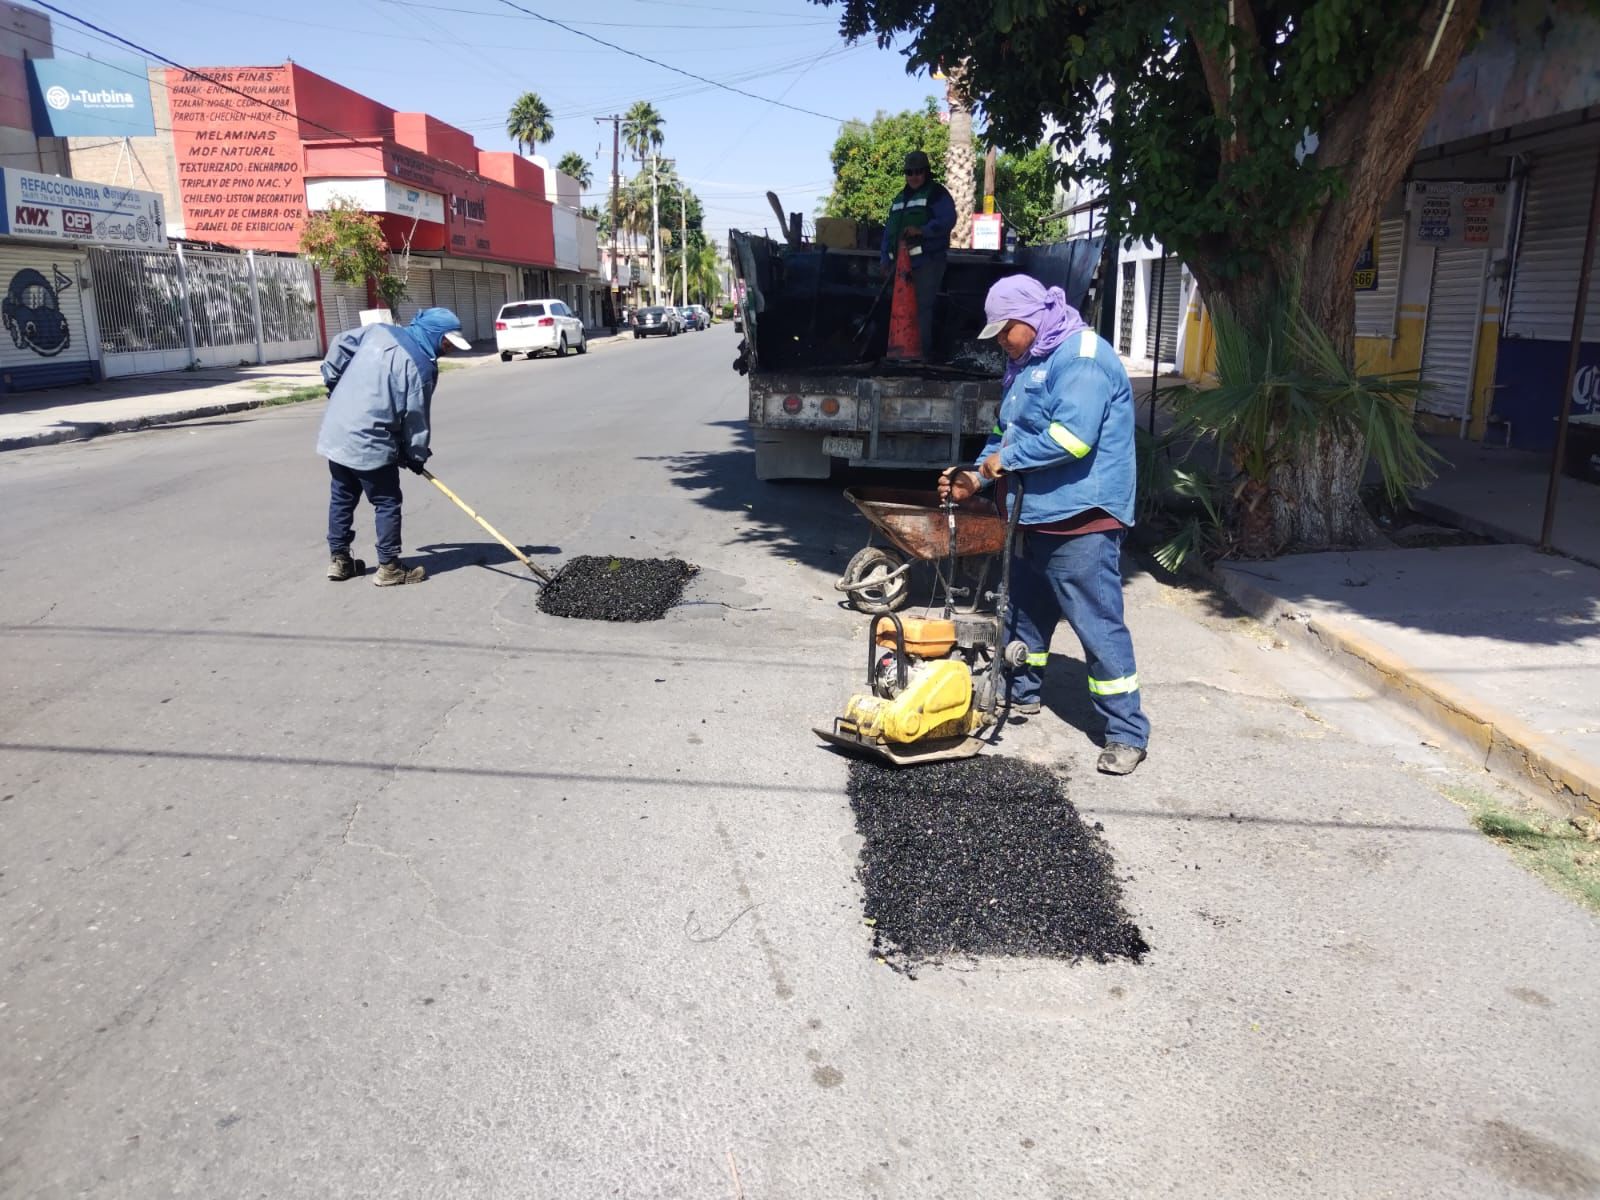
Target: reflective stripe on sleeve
1068,440
1114,687
998,432
1039,660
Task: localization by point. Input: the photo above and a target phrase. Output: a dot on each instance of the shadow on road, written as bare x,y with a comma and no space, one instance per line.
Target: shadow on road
440,557
807,521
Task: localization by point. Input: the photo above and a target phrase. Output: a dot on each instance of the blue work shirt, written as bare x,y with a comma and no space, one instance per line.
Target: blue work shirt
1067,420
382,379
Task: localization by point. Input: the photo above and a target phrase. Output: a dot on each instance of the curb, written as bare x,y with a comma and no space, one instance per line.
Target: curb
1503,744
87,432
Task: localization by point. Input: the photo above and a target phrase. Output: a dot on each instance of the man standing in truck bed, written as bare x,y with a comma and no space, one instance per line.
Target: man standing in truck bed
922,215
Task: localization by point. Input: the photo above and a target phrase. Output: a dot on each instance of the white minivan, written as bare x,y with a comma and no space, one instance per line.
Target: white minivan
533,326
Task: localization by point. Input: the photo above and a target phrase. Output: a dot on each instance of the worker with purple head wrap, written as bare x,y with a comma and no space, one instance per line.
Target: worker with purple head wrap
1066,430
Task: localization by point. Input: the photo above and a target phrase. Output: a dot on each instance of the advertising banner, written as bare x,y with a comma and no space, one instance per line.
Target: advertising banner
83,97
1451,213
52,209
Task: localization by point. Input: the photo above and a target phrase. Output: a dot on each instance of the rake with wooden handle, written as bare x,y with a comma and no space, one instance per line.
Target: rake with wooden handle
543,575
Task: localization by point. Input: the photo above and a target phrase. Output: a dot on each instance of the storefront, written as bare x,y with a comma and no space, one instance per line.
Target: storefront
46,224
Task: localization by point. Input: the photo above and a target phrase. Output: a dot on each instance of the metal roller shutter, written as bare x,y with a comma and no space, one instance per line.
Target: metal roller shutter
48,345
1125,316
1169,284
1455,314
342,304
1376,310
1555,216
490,295
419,294
455,290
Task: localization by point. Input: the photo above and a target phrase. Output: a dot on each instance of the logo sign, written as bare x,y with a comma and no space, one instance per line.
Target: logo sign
90,98
1586,389
48,207
1366,275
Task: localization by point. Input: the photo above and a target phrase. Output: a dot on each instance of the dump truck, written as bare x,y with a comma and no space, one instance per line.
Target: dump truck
816,328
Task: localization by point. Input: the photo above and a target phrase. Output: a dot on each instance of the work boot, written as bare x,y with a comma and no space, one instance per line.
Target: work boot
1024,708
392,574
1119,759
341,567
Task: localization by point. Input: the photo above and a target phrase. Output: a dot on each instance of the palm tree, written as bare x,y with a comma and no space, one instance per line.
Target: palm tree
642,129
705,274
960,163
528,122
577,167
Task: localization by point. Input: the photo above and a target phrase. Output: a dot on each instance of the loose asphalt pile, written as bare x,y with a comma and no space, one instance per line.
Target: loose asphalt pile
592,588
984,856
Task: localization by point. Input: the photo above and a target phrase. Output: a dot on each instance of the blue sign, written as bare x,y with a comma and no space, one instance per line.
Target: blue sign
81,97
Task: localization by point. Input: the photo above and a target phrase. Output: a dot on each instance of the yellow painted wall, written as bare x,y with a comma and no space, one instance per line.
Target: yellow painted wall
1399,354
1199,345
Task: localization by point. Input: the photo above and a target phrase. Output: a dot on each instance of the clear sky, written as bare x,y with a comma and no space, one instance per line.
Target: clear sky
465,61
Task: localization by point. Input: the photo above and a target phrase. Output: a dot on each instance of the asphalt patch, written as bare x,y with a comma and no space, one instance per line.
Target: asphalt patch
984,857
594,588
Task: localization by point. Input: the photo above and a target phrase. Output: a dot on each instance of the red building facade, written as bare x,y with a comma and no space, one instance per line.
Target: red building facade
248,174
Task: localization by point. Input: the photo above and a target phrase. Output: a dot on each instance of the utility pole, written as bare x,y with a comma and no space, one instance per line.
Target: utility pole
616,183
655,231
683,237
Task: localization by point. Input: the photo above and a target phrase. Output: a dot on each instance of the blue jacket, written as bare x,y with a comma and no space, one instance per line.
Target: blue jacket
935,231
381,379
1067,421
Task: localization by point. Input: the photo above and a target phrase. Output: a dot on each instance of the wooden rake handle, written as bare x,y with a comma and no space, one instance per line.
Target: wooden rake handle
490,529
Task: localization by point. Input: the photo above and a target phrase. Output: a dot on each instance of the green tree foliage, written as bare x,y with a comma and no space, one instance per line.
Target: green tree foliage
869,160
528,123
1257,139
1025,193
577,167
347,242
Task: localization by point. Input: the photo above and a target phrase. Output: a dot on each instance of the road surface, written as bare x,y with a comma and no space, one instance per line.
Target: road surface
321,890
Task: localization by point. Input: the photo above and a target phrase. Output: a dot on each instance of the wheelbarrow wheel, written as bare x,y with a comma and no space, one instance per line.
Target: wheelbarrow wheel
872,567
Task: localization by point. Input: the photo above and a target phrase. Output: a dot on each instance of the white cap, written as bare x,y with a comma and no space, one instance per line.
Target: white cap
992,329
456,340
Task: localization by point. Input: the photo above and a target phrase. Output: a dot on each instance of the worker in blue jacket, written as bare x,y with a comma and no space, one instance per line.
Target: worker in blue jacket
1066,429
922,216
380,389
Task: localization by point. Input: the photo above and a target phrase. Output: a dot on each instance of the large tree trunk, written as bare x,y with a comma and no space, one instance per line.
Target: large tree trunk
1369,140
961,165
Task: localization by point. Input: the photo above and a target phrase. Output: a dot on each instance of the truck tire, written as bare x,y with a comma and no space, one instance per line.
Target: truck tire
875,562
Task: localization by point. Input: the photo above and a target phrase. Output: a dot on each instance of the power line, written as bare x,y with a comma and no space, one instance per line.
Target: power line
478,12
656,62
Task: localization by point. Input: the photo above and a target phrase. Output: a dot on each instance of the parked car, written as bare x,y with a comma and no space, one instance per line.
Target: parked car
692,318
738,318
704,313
535,326
648,321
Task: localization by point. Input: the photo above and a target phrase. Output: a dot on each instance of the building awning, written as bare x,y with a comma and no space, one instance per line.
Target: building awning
383,196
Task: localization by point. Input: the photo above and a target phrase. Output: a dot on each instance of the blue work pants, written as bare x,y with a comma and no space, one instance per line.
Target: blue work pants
381,486
1079,577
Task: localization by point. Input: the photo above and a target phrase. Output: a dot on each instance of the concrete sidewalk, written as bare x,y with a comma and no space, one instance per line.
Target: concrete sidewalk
1500,493
140,401
1498,647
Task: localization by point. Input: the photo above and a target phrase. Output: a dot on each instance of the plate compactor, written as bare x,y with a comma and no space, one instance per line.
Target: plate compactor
935,685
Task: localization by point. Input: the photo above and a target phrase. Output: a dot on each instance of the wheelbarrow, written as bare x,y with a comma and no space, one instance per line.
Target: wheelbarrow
918,529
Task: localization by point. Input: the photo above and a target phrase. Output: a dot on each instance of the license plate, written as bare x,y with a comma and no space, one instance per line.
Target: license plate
838,447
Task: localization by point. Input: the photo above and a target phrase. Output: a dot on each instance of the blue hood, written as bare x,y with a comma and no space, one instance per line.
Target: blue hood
431,324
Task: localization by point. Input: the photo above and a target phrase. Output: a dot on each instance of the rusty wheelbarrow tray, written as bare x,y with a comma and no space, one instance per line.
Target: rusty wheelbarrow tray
915,524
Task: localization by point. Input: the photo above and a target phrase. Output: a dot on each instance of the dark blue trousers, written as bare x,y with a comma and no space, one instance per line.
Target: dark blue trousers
1079,578
381,486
